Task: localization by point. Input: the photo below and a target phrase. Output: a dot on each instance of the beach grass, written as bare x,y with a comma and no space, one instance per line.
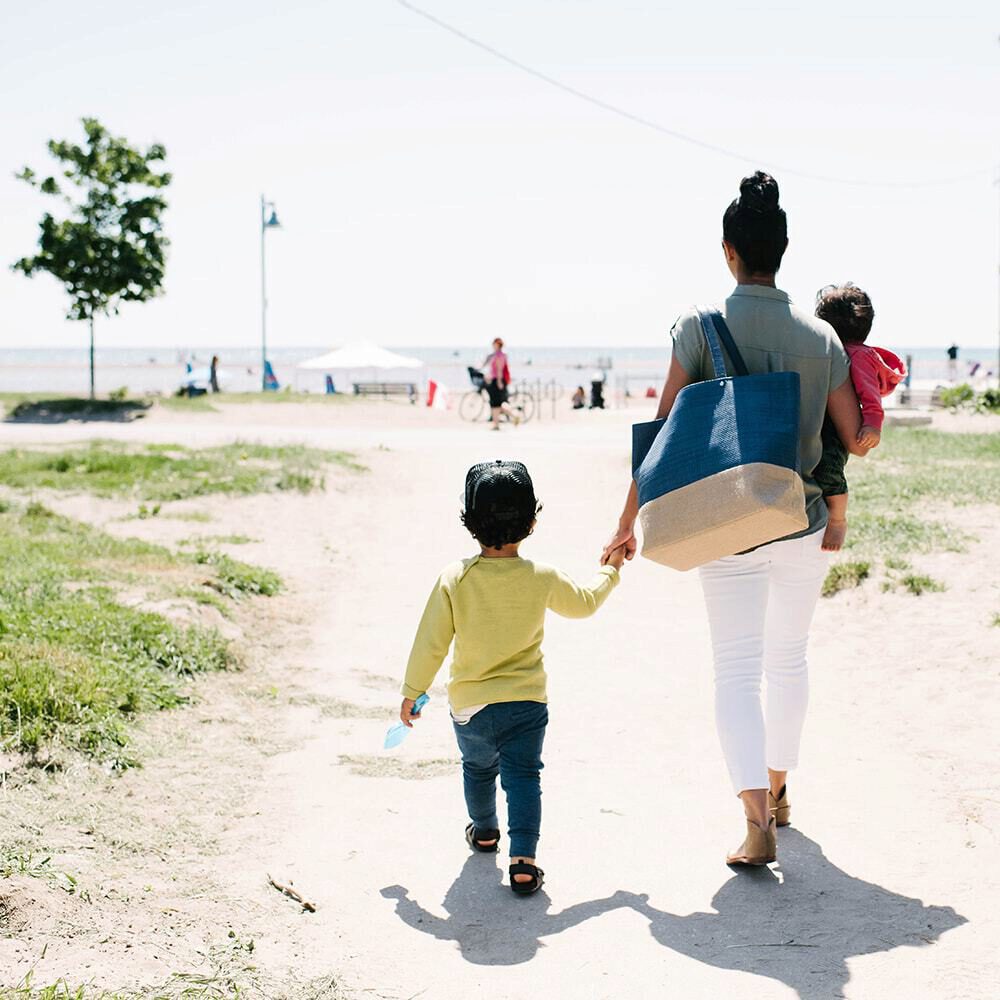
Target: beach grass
170,471
77,664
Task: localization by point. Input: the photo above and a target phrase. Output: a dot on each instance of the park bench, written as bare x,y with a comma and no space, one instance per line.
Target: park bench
386,389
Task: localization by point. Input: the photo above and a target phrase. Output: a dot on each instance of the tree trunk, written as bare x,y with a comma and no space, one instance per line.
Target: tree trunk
93,394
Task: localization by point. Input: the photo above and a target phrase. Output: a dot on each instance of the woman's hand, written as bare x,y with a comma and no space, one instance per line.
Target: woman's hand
623,538
406,713
616,558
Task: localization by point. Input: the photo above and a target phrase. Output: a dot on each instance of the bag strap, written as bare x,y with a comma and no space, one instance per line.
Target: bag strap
714,328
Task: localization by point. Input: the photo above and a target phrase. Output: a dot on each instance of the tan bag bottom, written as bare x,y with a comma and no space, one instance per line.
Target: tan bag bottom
727,513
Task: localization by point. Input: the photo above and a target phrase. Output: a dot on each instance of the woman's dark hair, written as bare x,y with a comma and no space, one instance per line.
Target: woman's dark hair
500,504
848,310
755,224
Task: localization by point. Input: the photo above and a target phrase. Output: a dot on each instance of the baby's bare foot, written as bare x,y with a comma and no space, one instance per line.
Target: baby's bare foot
833,537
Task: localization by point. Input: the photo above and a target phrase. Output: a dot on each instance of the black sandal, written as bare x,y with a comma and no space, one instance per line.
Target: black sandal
526,888
474,836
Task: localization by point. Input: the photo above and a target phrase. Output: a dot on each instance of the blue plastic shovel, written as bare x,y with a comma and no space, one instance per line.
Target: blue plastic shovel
397,733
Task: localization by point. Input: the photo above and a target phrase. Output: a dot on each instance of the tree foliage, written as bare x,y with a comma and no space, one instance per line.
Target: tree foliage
109,246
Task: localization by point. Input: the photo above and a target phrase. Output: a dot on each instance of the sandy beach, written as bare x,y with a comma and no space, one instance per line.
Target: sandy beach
885,885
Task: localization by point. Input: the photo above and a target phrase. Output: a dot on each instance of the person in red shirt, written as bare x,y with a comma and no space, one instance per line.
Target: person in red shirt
497,374
875,372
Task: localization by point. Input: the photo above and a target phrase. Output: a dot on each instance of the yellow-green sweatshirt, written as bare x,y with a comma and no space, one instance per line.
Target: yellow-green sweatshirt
495,611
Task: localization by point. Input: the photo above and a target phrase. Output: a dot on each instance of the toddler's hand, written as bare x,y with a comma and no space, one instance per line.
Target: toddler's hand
406,713
616,557
869,437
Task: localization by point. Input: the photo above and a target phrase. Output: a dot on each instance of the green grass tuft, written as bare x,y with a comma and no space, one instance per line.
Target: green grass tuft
914,583
843,576
236,579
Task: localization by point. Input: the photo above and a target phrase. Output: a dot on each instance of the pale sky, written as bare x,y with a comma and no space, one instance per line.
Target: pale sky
432,195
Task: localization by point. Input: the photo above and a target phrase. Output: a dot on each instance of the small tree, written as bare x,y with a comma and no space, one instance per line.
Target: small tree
109,248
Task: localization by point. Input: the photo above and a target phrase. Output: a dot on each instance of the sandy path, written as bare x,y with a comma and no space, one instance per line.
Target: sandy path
885,886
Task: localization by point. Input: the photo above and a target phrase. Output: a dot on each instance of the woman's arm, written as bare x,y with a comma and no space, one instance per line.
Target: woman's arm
842,405
677,378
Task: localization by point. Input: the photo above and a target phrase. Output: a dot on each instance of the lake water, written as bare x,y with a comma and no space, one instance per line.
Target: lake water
161,370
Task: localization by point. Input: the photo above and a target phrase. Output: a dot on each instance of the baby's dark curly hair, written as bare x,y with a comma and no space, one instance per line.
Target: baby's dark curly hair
848,310
500,504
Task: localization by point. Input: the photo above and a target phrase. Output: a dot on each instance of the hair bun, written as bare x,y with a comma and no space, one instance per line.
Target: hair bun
759,193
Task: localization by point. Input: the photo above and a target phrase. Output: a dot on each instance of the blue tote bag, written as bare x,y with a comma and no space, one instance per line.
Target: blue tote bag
720,474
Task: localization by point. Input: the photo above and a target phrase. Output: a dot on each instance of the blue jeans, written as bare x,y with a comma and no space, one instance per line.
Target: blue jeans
505,739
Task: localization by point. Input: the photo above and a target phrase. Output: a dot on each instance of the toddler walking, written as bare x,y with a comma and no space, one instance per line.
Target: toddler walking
493,605
875,372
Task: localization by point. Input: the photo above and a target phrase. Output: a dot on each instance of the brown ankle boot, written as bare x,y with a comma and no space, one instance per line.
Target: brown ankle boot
781,808
759,848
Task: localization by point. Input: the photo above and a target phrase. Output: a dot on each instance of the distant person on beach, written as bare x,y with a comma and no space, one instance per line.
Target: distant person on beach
579,398
493,605
952,353
875,373
213,373
760,603
496,371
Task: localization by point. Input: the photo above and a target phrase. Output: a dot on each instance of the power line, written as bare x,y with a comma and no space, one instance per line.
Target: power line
673,133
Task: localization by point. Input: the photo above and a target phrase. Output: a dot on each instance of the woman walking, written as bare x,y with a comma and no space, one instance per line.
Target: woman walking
497,374
760,603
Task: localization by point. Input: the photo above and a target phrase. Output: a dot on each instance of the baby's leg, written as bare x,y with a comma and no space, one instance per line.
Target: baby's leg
480,766
829,476
836,524
522,733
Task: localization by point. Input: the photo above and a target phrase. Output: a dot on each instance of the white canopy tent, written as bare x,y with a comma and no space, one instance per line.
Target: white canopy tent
365,362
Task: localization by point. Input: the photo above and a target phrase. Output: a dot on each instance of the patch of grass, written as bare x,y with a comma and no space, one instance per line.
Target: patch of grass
228,971
26,863
236,579
75,664
913,467
914,583
108,468
918,584
995,623
844,576
876,533
895,563
914,463
208,597
194,516
219,540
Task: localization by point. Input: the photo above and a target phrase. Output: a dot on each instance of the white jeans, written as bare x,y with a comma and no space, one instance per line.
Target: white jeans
760,606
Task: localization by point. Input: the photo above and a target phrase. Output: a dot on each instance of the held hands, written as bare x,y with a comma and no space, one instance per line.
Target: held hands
869,437
621,546
616,558
406,713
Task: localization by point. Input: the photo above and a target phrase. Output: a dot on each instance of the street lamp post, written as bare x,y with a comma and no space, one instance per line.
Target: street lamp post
266,222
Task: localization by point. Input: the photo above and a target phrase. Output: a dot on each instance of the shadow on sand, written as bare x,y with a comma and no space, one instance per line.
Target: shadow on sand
798,928
64,410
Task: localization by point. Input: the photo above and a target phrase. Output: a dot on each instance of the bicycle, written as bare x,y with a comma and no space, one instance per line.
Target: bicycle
475,404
